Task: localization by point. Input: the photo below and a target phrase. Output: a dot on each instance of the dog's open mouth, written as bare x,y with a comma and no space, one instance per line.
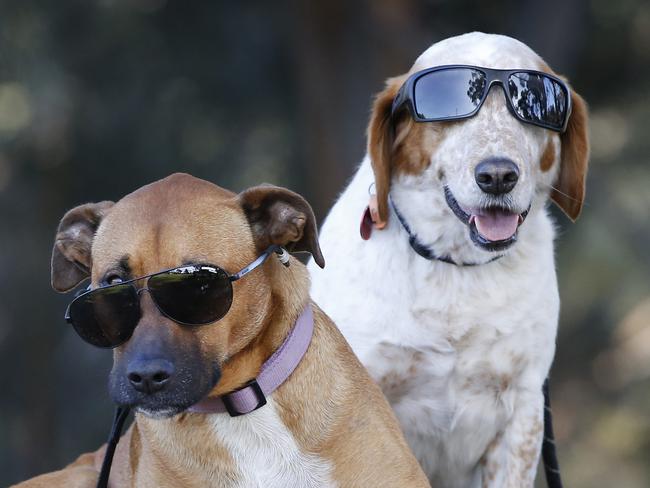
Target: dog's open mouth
493,228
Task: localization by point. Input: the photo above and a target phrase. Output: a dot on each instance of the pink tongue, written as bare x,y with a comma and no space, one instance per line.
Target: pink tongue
496,225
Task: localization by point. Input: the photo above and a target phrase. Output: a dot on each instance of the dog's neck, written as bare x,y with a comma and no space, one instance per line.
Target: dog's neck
289,298
428,252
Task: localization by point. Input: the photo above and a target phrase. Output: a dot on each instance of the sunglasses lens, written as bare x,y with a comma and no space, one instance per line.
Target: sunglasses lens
106,317
538,99
192,295
449,93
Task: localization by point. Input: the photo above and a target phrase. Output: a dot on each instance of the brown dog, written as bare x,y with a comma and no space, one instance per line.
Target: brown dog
326,425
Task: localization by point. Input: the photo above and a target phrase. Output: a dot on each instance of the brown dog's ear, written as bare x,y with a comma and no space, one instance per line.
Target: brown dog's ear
71,259
569,189
282,217
381,142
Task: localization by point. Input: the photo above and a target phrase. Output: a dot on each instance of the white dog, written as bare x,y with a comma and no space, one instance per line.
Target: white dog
453,306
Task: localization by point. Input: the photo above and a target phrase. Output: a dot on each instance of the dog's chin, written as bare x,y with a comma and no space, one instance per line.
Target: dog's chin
493,228
163,413
158,407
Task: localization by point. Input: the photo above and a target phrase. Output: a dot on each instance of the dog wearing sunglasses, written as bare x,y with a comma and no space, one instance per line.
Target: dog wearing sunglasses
450,299
188,327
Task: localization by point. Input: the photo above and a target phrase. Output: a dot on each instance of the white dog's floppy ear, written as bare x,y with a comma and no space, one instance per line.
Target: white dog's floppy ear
569,189
71,258
282,217
381,142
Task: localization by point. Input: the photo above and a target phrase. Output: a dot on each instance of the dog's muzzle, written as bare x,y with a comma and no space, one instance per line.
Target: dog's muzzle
493,228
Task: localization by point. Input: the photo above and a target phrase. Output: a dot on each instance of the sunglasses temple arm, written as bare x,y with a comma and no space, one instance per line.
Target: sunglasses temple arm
399,99
258,262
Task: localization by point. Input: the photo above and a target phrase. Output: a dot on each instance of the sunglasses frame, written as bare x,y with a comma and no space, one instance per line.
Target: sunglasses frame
213,268
406,94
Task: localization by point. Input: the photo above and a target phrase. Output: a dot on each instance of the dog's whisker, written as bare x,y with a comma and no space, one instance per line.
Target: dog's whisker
563,194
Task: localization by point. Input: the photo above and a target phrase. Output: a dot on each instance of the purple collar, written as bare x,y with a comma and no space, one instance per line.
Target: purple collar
273,373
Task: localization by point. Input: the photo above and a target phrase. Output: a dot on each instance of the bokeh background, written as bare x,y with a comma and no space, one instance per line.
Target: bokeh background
98,97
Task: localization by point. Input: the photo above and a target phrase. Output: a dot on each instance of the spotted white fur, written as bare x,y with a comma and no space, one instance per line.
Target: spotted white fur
461,353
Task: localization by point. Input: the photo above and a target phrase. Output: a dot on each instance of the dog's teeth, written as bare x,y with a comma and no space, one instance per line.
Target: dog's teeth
472,218
521,220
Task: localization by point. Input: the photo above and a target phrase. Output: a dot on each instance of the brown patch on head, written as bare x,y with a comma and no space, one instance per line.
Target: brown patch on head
548,157
397,145
411,152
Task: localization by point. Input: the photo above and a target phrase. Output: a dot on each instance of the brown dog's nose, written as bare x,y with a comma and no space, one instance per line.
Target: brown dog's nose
496,176
149,376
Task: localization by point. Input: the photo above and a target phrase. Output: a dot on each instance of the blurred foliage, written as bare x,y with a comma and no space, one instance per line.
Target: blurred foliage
98,97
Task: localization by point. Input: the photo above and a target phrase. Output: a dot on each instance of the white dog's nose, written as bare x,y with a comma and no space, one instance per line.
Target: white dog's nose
496,176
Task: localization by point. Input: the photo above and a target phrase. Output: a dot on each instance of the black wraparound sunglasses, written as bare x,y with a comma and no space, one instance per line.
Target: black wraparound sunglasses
457,91
193,294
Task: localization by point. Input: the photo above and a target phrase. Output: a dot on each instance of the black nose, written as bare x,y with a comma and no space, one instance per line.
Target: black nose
496,176
149,376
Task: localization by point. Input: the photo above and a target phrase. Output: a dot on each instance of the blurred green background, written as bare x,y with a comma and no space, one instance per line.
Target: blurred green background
98,97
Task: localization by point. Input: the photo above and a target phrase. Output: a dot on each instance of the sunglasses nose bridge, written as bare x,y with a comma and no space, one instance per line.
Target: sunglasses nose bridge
495,81
502,81
152,304
140,293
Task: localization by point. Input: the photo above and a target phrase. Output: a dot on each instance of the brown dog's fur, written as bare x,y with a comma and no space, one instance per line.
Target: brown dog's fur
329,404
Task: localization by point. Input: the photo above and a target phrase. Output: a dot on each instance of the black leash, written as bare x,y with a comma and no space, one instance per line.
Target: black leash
549,454
121,414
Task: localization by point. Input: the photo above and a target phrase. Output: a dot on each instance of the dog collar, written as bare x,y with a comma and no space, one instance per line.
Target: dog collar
425,251
273,373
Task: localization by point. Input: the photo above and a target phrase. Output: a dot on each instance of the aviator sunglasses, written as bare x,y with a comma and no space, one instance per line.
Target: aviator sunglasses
457,92
192,294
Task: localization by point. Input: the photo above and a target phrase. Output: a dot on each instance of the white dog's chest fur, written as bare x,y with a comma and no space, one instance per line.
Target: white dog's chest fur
266,454
451,348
